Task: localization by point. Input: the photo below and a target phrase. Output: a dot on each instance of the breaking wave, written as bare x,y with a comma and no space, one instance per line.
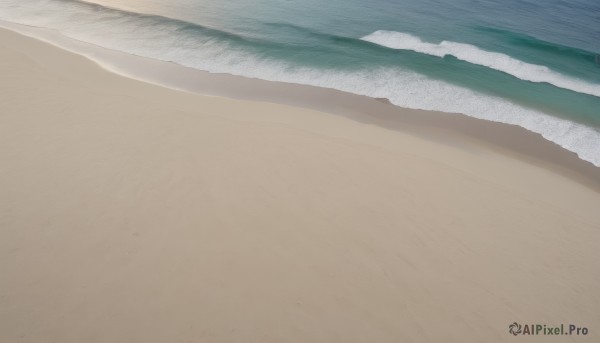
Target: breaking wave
472,54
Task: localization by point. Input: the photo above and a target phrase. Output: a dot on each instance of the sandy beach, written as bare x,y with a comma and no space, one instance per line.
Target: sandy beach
131,212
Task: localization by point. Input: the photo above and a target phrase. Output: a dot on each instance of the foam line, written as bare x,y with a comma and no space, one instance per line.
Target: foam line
472,54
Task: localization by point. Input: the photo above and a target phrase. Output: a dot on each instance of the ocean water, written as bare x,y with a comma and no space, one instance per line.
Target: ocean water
535,64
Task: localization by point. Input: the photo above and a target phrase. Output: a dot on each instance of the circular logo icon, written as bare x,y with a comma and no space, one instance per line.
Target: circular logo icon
514,328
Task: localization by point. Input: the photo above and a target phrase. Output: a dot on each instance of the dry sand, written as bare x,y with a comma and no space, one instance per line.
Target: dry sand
134,213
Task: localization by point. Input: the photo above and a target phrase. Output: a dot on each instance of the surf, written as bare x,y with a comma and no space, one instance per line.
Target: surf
472,54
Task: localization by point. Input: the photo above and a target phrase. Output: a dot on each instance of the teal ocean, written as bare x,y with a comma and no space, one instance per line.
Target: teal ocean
535,64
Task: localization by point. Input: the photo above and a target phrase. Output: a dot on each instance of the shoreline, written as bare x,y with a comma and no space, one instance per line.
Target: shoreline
442,126
131,212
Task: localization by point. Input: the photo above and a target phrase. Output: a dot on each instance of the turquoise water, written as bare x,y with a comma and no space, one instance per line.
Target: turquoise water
530,63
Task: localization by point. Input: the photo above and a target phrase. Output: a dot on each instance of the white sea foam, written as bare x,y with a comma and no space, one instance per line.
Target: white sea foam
163,41
472,54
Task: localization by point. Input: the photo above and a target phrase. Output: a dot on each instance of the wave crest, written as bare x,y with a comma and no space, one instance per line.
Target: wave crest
473,54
